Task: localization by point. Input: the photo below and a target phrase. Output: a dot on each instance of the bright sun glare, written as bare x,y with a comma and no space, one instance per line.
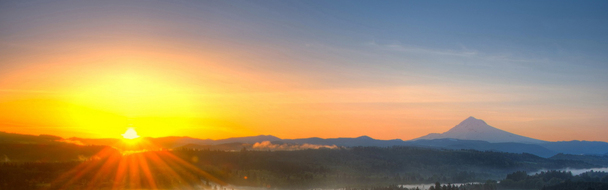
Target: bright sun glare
130,134
149,99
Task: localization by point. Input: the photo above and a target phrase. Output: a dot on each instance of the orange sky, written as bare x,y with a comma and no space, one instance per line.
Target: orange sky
94,71
101,93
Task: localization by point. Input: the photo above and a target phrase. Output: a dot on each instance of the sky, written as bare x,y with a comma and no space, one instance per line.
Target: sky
296,69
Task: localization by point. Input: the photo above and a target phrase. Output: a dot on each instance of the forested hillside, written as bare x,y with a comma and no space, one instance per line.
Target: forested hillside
35,166
373,164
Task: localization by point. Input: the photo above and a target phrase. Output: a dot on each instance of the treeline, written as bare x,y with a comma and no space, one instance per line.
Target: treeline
157,170
31,175
356,167
569,185
489,185
49,152
377,159
361,166
601,160
554,180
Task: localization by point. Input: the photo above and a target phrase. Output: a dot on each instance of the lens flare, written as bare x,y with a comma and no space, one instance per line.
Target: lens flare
130,134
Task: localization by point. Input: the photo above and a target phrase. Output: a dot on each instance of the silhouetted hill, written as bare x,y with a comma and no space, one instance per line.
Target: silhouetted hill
222,147
349,142
577,147
51,152
102,141
28,139
376,161
468,128
358,165
301,169
485,146
434,143
248,140
174,142
555,180
601,160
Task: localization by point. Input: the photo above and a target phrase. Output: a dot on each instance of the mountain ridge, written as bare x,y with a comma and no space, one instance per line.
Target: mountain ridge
477,129
469,127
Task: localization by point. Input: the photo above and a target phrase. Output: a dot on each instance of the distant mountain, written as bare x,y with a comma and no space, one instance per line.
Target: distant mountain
471,133
476,129
454,144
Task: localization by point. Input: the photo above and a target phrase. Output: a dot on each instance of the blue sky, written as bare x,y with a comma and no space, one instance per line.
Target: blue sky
517,64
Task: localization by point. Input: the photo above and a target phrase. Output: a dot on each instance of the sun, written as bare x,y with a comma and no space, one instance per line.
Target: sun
130,134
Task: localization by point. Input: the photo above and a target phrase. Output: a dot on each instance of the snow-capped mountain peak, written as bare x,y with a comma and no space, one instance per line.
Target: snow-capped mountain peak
477,129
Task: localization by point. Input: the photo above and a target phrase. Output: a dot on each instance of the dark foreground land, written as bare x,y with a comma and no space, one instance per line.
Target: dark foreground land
99,167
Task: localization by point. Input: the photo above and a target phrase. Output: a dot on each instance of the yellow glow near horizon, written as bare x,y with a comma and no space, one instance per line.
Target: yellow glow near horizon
130,134
98,99
137,92
148,102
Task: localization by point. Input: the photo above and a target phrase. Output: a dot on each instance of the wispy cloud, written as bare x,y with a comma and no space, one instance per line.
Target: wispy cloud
70,141
464,52
267,145
476,56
